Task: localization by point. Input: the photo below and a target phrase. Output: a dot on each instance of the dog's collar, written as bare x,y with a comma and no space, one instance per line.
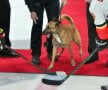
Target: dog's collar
57,38
56,32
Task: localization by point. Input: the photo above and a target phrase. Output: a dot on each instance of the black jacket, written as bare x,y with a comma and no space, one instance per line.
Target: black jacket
4,6
30,4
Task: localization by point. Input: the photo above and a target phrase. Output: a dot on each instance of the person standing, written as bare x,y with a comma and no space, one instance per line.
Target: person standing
99,11
5,12
36,8
91,34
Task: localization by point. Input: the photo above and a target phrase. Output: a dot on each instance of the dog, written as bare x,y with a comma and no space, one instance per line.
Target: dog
63,36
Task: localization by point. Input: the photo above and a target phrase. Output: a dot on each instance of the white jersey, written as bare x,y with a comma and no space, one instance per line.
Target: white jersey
99,8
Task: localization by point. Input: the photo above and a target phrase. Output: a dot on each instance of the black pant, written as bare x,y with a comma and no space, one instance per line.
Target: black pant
52,10
91,32
5,11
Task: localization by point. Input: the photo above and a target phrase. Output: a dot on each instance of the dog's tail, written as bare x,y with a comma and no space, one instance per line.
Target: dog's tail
68,18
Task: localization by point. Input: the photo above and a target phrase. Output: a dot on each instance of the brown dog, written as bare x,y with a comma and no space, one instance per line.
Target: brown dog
62,37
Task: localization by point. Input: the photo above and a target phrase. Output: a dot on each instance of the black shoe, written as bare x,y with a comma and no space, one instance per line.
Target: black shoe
93,59
7,53
36,60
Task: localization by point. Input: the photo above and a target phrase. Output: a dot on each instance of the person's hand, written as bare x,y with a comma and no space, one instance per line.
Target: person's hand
64,2
34,17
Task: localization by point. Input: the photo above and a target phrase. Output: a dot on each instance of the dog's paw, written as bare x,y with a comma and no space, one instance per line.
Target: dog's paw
81,53
50,67
73,63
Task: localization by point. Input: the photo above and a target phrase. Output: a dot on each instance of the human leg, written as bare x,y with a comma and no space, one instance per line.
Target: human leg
36,34
52,10
91,35
5,13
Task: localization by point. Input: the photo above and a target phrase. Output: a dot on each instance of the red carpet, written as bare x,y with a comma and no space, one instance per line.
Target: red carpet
63,64
76,9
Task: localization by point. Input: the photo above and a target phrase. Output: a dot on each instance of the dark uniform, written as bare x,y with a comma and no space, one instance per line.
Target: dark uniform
5,19
5,12
91,34
52,10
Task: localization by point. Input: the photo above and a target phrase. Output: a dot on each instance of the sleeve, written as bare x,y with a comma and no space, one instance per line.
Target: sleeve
30,4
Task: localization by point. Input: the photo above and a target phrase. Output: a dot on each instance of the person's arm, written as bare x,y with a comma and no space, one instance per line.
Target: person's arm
102,31
101,24
34,17
30,4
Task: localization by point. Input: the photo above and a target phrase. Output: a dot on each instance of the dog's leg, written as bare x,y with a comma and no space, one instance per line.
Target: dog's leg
77,39
80,50
60,52
53,58
71,55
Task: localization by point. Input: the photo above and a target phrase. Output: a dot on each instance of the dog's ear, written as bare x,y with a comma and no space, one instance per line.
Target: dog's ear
57,21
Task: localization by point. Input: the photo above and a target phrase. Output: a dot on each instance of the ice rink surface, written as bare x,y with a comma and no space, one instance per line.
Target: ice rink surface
25,81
